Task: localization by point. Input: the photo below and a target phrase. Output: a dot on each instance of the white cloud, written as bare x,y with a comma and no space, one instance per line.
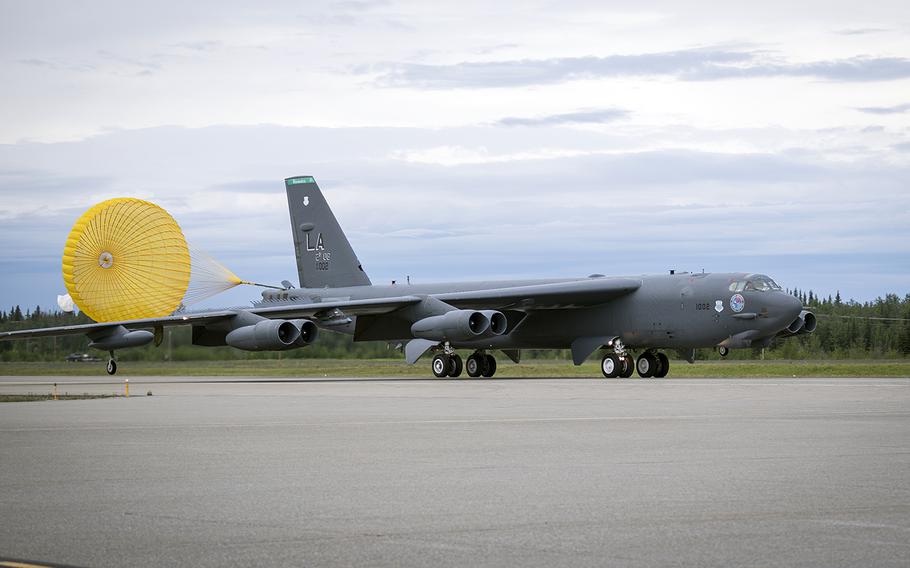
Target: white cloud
796,167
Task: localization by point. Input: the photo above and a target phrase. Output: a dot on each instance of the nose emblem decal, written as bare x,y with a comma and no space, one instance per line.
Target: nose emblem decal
718,306
737,303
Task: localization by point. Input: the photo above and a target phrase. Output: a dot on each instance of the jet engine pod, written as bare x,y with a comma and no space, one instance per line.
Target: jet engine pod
809,322
266,335
308,331
456,325
498,322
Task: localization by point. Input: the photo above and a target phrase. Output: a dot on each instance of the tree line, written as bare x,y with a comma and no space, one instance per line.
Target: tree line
877,329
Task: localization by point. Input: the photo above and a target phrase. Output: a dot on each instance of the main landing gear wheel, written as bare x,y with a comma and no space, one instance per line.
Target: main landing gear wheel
455,366
440,366
723,351
611,365
488,367
111,367
647,365
474,365
628,367
663,366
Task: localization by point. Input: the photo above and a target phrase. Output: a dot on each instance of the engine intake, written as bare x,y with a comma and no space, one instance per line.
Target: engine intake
809,322
498,321
805,322
308,332
266,335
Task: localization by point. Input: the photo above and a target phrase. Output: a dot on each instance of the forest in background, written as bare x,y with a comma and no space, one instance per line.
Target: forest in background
879,329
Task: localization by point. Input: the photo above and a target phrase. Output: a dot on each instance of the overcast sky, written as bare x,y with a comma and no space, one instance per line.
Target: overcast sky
470,139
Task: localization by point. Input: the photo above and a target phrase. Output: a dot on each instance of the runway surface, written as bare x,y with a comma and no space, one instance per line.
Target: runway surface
531,472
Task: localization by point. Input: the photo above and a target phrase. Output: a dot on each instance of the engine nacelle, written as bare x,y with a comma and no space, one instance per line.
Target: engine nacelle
266,335
118,337
805,322
308,332
456,325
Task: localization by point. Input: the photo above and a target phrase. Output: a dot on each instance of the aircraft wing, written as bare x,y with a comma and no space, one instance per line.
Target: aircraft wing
578,293
557,295
349,307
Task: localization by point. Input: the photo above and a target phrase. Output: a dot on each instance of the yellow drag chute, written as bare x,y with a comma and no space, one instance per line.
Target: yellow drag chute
126,259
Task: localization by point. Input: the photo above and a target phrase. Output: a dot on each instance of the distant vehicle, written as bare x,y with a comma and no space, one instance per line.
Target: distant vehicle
82,358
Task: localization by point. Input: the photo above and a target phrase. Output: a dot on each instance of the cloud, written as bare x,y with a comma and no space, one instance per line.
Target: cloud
691,65
544,71
856,69
56,65
861,31
896,109
199,45
598,116
485,202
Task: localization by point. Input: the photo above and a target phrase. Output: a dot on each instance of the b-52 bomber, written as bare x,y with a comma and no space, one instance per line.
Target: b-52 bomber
622,315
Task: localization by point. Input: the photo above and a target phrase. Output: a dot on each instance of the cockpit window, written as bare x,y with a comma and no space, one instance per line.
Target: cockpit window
754,283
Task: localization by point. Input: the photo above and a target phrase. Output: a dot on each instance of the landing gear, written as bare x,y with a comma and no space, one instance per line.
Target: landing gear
646,364
474,365
480,364
628,367
440,365
111,366
455,366
723,351
663,366
619,363
653,365
612,365
445,365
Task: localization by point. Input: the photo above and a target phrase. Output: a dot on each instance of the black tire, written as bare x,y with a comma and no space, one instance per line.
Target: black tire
489,367
723,351
440,366
474,365
628,367
611,365
111,367
646,365
455,366
663,366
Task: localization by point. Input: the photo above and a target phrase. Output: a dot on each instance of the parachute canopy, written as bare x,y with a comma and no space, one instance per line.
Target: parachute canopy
126,258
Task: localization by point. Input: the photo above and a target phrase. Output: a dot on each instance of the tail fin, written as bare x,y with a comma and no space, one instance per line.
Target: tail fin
325,258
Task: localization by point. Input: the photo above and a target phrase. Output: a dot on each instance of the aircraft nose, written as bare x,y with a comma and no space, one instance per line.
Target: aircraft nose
787,306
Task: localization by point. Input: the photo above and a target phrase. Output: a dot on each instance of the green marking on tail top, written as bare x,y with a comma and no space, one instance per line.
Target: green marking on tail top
300,180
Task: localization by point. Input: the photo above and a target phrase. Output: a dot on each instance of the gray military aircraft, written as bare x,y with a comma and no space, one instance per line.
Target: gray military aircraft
622,315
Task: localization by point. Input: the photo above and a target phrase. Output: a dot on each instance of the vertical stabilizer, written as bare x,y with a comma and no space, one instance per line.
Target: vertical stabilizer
325,258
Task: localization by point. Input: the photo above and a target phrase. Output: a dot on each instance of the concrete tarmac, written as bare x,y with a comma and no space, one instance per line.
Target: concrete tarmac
530,472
